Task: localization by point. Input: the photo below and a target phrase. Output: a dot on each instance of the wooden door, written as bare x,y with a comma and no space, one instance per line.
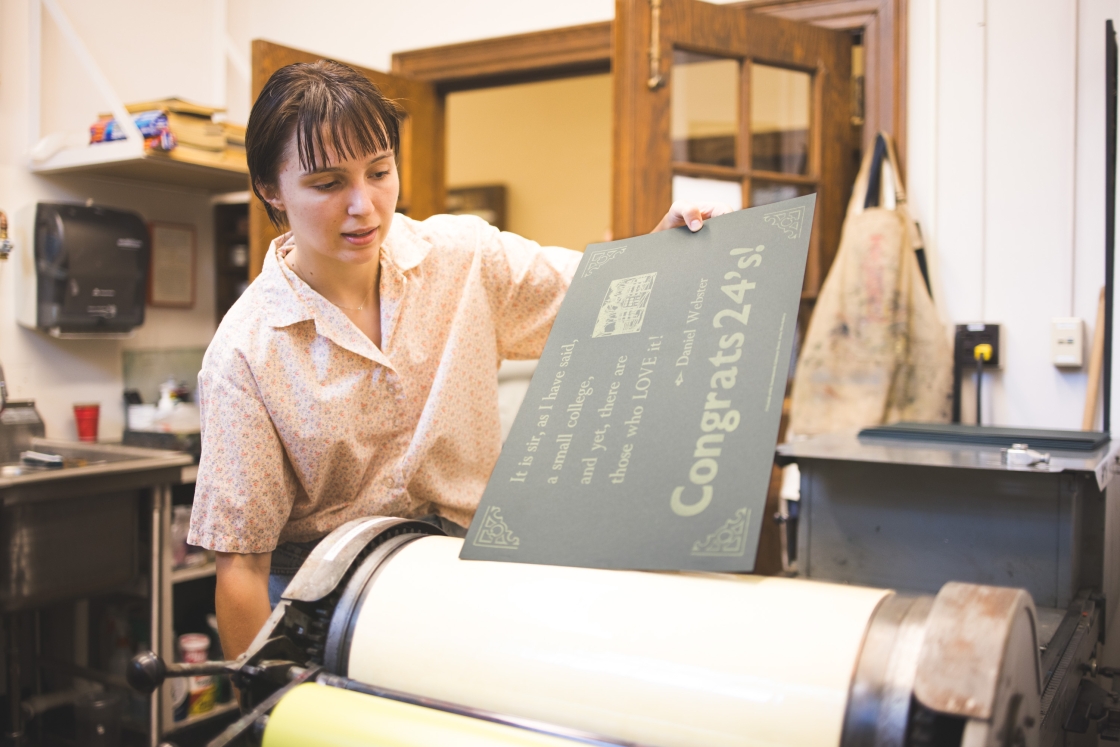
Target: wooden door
743,104
421,157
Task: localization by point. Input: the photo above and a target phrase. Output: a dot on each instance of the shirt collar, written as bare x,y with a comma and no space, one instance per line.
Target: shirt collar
404,247
283,304
290,300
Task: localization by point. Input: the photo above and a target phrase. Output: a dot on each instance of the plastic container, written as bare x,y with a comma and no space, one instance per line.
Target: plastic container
86,415
180,526
224,687
194,648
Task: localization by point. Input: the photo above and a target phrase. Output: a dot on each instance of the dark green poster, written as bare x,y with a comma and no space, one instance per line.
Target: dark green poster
647,435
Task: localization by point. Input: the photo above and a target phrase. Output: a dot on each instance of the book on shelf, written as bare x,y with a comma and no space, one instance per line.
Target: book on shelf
235,136
230,159
189,129
181,131
176,105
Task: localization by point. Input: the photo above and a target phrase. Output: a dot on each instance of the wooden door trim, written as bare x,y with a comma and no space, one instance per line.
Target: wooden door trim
581,50
884,24
643,146
540,55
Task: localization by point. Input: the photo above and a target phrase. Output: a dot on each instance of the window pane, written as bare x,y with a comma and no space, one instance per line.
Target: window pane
708,190
763,193
780,119
705,105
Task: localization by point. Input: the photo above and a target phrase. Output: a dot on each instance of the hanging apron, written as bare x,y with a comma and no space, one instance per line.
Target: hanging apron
875,351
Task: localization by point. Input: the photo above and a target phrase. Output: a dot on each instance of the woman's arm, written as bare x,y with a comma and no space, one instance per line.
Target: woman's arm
241,599
243,495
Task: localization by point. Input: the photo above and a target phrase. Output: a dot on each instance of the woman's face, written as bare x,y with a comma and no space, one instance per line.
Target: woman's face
342,210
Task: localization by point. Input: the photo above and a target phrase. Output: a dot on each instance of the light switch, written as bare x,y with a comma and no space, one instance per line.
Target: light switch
1067,342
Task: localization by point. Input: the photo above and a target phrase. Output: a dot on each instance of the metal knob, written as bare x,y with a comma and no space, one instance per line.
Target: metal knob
146,672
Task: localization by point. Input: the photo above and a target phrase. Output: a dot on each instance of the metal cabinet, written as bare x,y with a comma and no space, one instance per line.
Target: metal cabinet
912,516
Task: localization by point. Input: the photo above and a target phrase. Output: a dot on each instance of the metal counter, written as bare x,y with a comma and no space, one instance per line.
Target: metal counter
76,531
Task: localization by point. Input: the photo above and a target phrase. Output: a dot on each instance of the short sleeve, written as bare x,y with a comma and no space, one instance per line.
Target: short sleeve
526,283
245,490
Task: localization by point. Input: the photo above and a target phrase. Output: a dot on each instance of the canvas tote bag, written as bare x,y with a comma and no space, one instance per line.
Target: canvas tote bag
875,351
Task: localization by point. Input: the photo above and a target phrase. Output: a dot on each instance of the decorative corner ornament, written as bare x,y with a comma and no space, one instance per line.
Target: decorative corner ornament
494,532
600,257
730,539
789,221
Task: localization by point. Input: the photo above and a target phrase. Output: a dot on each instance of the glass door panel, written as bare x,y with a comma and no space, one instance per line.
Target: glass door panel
705,106
766,192
700,190
780,119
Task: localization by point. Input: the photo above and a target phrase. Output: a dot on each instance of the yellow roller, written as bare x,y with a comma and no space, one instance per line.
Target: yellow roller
319,716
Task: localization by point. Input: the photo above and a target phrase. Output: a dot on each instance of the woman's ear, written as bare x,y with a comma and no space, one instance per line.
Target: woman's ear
271,195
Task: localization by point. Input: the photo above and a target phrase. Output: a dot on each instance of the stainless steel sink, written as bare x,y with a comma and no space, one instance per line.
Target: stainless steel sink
73,531
87,459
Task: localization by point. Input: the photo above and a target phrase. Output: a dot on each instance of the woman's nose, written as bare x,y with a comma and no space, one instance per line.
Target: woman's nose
361,200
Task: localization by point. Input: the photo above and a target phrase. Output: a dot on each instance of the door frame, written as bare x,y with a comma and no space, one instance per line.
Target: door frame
586,49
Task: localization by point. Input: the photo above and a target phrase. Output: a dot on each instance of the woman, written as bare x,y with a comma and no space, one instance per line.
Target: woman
356,376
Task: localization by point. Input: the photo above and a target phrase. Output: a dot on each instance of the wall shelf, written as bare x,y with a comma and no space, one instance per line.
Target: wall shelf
122,160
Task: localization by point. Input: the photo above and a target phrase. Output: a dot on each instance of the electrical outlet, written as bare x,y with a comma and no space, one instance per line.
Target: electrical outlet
1067,342
968,336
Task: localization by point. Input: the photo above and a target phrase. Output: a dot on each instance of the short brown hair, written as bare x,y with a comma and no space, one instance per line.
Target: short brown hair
326,104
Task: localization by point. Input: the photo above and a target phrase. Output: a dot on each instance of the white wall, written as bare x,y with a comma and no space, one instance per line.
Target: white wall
1005,157
144,51
151,50
1006,177
369,33
549,143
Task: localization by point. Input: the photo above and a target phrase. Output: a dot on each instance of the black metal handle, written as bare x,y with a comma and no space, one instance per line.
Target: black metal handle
147,671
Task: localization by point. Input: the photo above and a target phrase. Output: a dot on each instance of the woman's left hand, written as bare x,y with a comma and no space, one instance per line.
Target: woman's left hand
691,214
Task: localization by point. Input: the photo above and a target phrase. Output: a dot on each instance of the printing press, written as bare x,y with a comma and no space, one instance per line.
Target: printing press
386,637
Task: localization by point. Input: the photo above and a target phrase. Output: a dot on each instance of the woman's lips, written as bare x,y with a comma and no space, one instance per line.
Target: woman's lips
361,238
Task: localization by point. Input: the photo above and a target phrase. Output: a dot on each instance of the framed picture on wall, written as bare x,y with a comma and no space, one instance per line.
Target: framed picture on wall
171,278
487,202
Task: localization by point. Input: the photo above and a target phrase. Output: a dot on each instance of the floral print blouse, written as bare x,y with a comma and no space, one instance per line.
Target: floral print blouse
306,424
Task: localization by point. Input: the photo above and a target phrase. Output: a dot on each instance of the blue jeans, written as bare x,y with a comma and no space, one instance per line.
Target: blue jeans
289,556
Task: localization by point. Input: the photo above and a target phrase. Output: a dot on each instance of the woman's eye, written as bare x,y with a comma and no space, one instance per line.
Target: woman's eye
381,174
326,187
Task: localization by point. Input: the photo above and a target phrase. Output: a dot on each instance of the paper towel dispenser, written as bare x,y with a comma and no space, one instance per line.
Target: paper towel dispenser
84,272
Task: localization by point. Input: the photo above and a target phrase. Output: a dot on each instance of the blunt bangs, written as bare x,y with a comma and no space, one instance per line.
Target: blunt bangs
339,119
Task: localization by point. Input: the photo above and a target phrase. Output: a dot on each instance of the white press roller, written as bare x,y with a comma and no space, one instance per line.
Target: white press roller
665,659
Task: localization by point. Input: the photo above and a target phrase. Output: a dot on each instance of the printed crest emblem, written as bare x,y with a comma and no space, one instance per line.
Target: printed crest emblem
624,308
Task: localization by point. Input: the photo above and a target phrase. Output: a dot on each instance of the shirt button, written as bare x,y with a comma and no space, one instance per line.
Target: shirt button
389,482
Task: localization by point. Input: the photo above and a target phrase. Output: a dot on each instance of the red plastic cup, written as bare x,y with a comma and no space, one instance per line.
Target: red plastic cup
85,416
